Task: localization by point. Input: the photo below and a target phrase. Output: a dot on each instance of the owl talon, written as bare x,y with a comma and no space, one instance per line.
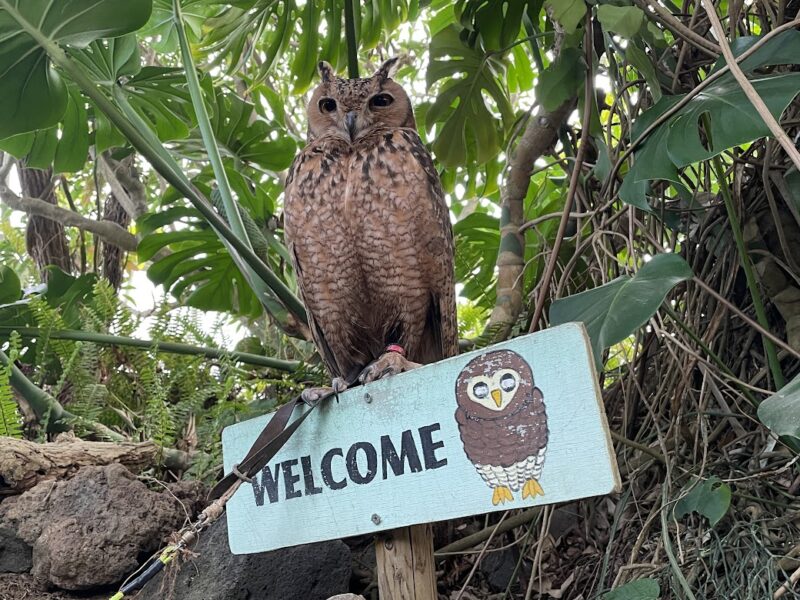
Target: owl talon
388,363
501,494
315,394
532,488
339,385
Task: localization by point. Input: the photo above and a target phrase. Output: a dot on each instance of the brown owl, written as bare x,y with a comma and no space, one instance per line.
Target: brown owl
503,424
369,232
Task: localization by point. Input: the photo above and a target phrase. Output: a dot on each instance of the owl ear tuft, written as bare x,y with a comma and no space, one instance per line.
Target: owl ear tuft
325,71
388,68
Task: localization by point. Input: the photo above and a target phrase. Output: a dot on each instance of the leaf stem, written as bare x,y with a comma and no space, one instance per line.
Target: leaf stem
169,347
232,212
350,36
752,284
161,162
574,177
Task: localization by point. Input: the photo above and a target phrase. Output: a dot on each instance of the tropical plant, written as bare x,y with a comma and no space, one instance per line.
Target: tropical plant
625,163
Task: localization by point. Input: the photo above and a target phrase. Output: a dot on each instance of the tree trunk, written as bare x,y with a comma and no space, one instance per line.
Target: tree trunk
46,240
23,464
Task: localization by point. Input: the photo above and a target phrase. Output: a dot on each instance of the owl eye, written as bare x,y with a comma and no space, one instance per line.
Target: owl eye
380,101
507,382
327,105
480,390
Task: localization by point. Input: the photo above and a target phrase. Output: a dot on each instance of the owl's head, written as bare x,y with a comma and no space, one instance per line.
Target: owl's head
493,382
349,108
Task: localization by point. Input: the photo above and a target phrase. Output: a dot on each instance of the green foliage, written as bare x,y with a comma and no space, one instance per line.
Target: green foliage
10,286
561,79
624,20
619,308
781,411
169,398
567,12
477,238
10,419
37,96
468,132
702,128
199,270
639,589
710,498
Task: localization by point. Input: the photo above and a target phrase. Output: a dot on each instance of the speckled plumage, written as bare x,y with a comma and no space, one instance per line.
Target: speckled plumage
368,230
508,442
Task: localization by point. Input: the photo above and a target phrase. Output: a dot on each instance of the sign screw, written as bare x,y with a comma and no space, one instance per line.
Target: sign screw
376,519
367,398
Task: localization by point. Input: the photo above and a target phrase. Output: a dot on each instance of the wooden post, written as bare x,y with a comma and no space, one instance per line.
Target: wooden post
405,564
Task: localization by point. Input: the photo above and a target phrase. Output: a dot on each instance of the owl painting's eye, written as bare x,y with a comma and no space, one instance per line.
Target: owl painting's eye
380,101
508,382
327,105
480,390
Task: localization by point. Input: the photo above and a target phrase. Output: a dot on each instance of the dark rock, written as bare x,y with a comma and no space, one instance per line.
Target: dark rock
24,586
91,530
310,572
498,568
15,554
192,494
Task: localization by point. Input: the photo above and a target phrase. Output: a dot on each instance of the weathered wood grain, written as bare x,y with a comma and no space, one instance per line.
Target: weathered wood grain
405,564
23,464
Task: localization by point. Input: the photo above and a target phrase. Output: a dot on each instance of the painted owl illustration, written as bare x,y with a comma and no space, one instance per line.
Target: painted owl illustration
368,231
503,424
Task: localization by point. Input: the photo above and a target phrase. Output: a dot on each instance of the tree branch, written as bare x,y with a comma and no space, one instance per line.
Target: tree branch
574,177
128,191
540,134
673,24
109,231
749,90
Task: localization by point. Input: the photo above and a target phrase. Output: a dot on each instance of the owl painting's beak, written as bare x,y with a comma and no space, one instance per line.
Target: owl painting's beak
350,121
497,396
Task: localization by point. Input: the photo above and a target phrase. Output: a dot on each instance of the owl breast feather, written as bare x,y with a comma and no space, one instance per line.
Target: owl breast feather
505,441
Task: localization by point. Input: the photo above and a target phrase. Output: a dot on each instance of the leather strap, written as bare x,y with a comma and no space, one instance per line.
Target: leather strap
269,441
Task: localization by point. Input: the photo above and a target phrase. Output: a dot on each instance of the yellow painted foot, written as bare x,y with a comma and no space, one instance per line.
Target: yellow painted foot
501,494
532,489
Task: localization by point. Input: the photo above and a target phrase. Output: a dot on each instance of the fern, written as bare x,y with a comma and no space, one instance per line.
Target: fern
48,319
10,419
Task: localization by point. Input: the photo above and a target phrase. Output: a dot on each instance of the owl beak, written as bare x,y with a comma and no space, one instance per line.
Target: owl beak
497,396
350,121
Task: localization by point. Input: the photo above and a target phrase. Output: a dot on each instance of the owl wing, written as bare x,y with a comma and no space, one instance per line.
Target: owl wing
409,184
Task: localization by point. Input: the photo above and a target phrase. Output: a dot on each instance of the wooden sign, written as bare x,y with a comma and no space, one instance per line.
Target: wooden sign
514,425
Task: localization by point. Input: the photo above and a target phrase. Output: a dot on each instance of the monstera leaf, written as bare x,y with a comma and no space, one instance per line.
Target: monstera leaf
157,94
196,268
498,22
639,589
781,411
34,94
241,133
732,120
468,130
617,309
477,241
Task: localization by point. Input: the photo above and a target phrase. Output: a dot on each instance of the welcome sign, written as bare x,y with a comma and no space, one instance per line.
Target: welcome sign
514,425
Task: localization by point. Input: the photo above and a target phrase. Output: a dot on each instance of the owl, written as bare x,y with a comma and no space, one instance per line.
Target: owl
503,425
368,232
